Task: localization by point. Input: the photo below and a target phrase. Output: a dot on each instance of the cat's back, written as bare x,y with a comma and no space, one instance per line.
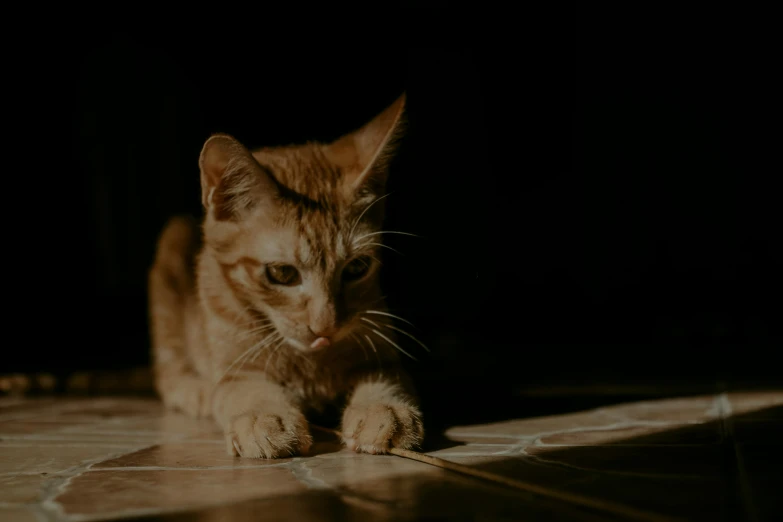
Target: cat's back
175,256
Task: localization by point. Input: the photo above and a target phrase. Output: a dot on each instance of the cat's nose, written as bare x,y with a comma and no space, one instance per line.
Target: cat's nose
326,332
322,338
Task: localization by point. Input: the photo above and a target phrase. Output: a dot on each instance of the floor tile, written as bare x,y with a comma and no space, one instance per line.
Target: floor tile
703,457
184,455
21,489
114,492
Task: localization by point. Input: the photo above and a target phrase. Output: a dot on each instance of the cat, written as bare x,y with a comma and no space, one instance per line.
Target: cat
273,308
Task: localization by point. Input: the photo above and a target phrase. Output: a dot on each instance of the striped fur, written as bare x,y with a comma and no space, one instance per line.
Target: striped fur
211,303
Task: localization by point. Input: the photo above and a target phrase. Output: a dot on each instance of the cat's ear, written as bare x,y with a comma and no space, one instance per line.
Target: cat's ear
364,155
232,181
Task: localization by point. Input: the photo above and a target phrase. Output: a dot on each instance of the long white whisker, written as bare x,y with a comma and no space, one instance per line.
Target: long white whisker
258,349
250,333
254,322
384,246
266,344
378,312
376,332
276,348
245,354
373,349
371,343
365,211
386,232
359,342
403,332
371,322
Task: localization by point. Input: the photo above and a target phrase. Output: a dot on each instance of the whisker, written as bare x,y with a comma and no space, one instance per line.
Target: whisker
386,232
383,246
274,351
250,333
371,322
265,345
378,312
403,332
376,332
359,342
236,361
254,322
373,349
258,349
376,200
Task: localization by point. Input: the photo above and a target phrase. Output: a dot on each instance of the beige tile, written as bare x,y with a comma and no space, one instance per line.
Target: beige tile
472,449
709,433
114,492
532,427
757,404
348,468
184,455
21,489
105,409
468,439
701,408
170,423
9,402
48,457
18,515
30,427
13,408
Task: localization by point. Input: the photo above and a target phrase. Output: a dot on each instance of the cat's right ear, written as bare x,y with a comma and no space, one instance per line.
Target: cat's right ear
232,181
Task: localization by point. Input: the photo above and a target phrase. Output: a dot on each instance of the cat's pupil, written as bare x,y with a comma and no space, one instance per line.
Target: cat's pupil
356,268
282,274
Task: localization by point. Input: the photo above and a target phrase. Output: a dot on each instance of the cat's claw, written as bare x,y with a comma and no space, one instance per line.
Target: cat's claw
268,436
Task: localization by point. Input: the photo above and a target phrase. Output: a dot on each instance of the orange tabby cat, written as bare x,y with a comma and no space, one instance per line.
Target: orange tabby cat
275,308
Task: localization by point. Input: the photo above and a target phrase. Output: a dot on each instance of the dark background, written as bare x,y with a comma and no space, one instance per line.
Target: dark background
587,216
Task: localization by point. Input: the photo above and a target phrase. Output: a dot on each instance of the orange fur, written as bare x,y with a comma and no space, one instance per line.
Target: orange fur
231,343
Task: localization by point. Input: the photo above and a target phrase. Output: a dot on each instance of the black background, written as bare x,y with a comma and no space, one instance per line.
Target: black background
588,215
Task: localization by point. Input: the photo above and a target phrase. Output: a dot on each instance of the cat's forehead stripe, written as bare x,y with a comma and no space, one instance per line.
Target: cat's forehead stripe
318,246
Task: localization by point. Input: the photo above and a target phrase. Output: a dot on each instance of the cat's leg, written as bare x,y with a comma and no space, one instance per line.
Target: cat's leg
259,420
382,413
171,285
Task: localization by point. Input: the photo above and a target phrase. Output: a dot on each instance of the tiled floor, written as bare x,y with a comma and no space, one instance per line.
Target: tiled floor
711,457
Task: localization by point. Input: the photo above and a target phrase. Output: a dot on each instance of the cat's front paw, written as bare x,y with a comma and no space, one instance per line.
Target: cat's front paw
190,395
258,434
374,428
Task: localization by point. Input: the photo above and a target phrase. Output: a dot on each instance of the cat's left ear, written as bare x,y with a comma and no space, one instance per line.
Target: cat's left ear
364,155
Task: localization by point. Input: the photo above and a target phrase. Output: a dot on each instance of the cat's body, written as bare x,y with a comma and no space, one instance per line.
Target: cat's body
274,309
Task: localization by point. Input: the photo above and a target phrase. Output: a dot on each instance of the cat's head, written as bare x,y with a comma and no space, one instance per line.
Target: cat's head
296,230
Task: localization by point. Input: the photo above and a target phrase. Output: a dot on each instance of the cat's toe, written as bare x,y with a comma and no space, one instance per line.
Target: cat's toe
376,428
267,436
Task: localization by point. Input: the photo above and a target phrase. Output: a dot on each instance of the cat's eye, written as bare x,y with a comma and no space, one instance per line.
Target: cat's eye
282,274
357,268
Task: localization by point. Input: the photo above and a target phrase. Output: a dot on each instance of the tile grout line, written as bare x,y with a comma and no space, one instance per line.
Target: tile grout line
185,468
48,508
304,474
746,497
